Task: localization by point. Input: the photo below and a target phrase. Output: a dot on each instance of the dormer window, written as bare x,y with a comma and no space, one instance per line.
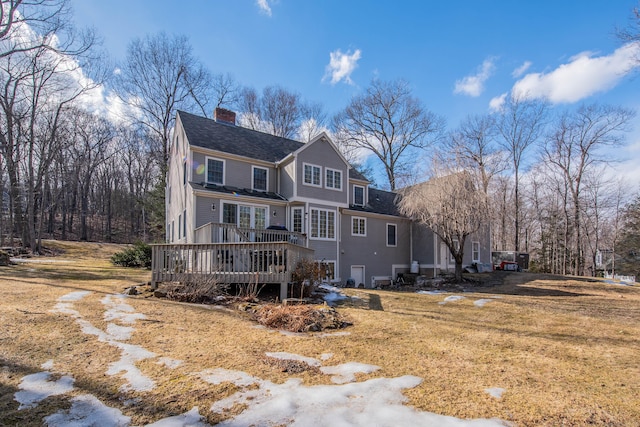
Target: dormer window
215,171
358,195
312,175
259,178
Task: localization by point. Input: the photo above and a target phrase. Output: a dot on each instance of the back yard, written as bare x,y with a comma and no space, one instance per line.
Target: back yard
536,350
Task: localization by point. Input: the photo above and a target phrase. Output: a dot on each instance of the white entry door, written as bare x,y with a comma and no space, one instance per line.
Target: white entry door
357,274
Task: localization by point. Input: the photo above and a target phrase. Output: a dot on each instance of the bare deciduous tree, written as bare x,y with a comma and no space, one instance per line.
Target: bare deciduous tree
451,206
389,122
473,146
160,76
280,112
574,149
520,124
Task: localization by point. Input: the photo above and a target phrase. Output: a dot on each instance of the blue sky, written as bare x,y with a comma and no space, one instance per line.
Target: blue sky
459,56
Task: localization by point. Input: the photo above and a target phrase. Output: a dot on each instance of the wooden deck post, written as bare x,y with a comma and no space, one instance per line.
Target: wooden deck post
283,291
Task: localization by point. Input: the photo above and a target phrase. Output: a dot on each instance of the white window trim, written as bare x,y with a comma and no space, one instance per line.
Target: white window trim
253,206
387,234
206,170
364,195
365,226
472,251
311,184
334,177
302,221
335,221
253,183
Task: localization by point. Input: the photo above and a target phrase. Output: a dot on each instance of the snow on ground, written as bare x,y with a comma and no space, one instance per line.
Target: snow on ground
36,387
377,401
482,302
451,298
41,261
87,410
114,335
345,373
431,292
496,392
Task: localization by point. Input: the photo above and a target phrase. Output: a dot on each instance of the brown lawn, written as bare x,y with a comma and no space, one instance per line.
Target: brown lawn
565,350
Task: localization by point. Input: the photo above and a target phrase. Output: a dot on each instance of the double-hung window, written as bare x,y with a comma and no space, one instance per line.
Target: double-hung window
392,235
259,178
358,195
333,179
312,175
475,251
323,224
358,226
215,171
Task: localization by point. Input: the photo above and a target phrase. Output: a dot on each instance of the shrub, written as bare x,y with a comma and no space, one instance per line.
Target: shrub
139,255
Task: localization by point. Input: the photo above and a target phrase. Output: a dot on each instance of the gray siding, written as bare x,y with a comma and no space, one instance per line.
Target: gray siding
372,251
287,179
322,154
236,173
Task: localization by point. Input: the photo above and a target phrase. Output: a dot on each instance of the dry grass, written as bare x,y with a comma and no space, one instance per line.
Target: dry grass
565,350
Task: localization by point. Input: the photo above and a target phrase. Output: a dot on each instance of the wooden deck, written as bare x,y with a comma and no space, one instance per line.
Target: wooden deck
232,255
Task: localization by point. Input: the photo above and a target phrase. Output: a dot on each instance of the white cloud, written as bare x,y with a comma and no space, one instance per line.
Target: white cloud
497,102
474,85
264,7
521,69
584,75
341,65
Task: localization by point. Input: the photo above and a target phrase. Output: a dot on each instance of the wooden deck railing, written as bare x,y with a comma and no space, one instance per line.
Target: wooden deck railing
241,262
228,233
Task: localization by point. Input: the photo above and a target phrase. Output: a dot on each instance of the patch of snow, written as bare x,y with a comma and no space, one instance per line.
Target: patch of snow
169,362
376,402
37,387
220,375
114,335
41,261
431,292
126,365
451,298
188,419
496,392
345,373
74,296
326,356
329,288
48,365
482,302
333,334
293,334
120,311
333,297
119,333
290,356
87,410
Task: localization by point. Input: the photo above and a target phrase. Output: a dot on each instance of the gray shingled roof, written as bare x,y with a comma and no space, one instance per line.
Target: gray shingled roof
380,202
208,133
227,138
228,189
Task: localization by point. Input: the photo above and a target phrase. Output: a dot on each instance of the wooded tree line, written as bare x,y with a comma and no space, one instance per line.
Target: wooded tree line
72,168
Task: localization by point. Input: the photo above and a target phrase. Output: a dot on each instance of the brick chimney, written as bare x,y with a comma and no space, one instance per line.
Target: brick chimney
222,115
